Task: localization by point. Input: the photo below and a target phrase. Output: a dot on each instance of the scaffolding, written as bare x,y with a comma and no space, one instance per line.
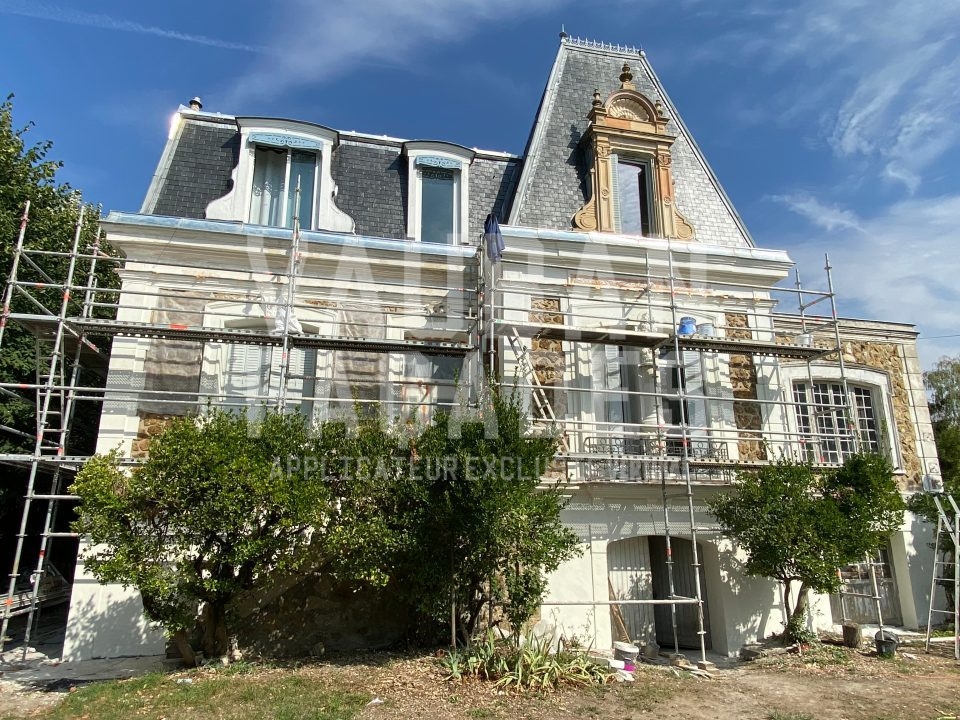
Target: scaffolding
689,449
187,328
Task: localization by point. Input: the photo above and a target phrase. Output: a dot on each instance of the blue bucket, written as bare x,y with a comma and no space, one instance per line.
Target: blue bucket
688,326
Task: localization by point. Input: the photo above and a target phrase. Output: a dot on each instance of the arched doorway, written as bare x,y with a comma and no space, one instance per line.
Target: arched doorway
683,585
637,570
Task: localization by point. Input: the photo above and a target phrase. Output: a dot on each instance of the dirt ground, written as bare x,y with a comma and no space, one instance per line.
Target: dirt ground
826,683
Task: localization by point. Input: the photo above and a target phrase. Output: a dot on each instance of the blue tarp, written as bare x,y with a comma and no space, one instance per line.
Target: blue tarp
493,238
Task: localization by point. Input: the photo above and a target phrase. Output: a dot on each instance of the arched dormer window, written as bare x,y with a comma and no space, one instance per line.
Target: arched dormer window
631,185
277,157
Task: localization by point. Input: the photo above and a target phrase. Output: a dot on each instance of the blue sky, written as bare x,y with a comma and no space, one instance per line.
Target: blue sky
831,123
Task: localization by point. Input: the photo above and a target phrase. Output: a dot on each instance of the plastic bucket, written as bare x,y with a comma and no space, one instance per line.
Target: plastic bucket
688,326
626,652
886,642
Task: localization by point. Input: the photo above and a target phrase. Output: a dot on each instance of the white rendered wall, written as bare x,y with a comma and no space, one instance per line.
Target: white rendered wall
107,621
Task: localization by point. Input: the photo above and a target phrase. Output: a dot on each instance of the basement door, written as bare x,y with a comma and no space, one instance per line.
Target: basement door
683,583
628,567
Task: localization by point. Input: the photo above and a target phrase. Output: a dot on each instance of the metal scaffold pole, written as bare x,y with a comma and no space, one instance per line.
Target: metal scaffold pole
288,306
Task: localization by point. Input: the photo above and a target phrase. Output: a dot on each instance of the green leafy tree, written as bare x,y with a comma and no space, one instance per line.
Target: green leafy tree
943,385
216,506
798,525
479,531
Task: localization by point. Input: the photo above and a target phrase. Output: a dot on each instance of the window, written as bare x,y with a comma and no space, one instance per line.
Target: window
251,379
277,173
633,189
430,381
831,428
437,196
438,205
688,375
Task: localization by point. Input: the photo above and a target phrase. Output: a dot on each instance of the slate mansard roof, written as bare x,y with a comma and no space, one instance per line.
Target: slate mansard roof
370,174
543,189
554,181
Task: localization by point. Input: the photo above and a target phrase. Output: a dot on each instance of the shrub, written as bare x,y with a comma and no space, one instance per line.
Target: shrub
530,664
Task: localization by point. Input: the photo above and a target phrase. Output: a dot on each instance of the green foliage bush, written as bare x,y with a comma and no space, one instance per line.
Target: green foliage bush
530,664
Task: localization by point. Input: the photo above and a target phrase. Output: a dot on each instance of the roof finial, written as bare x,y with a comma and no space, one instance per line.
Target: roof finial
563,32
626,77
597,102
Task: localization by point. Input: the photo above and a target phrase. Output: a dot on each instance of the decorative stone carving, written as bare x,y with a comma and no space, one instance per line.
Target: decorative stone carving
628,109
631,126
743,379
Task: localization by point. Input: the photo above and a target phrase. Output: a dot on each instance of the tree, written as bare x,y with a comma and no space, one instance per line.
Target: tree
217,506
798,524
439,515
943,384
481,532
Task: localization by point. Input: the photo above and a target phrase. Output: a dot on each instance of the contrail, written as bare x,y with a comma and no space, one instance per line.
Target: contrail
46,11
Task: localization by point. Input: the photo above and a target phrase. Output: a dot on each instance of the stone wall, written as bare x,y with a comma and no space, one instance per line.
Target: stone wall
743,379
546,356
886,357
150,426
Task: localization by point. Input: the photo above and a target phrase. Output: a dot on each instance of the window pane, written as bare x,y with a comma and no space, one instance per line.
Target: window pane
269,171
866,420
302,167
436,206
634,202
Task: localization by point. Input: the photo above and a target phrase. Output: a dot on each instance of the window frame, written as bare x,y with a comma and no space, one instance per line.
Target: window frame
305,223
876,382
647,163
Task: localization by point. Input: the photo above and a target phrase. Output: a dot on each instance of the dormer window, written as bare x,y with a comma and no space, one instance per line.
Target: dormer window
277,155
437,196
632,189
277,173
630,181
438,206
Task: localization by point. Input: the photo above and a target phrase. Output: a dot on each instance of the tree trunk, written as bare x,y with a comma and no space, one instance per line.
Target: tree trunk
787,588
801,609
182,643
216,643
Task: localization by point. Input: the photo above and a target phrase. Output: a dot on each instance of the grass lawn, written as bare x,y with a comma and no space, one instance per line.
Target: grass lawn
286,695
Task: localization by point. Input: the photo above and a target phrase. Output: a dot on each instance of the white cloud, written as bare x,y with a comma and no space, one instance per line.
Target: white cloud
882,77
899,265
40,10
828,217
313,41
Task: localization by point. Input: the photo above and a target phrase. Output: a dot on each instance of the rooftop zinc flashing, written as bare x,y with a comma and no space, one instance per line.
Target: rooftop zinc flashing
225,227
